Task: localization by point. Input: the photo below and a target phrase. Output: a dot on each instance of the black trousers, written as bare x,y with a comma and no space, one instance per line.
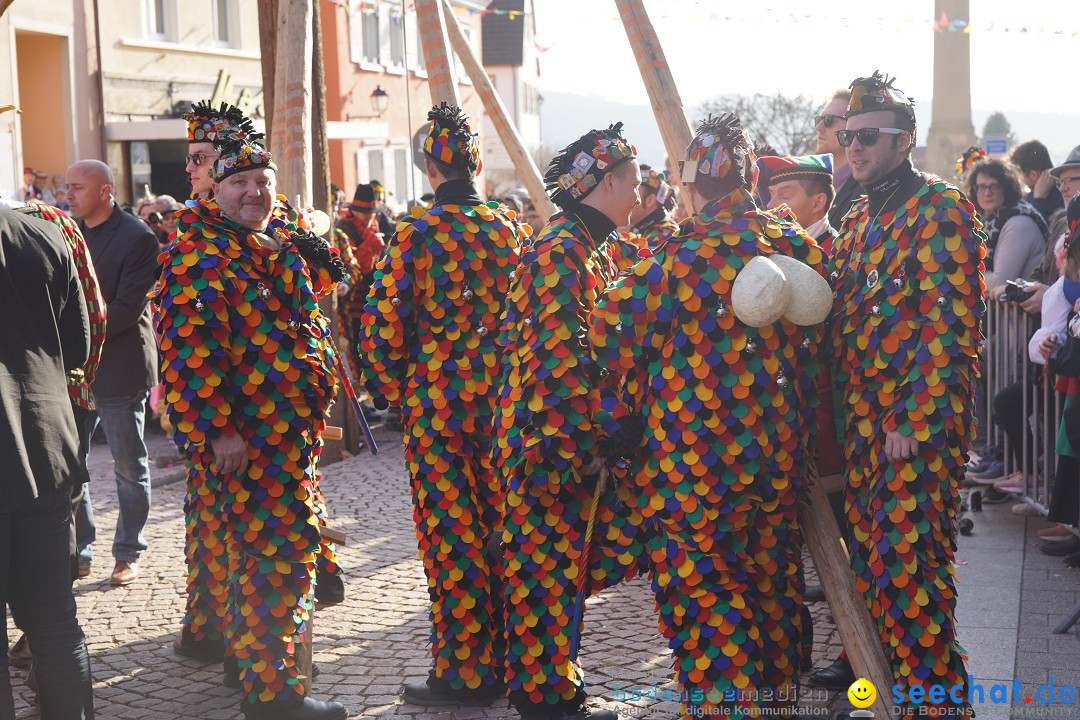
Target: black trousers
1009,414
35,582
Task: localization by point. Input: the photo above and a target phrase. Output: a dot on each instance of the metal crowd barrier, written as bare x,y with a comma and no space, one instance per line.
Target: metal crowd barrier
1005,363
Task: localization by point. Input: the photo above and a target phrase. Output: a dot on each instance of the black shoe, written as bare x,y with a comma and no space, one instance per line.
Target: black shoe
208,651
1060,548
230,678
837,676
814,593
425,695
300,708
329,588
993,496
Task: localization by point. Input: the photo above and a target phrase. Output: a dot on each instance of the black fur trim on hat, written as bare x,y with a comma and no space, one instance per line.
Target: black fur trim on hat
564,159
234,115
451,117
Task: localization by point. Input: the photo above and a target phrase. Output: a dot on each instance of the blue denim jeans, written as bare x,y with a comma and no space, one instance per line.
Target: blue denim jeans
35,581
122,417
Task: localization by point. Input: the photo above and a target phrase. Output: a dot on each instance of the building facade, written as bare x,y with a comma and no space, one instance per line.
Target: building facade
512,62
370,45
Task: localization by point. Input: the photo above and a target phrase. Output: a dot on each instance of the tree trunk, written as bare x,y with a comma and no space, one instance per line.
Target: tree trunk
268,10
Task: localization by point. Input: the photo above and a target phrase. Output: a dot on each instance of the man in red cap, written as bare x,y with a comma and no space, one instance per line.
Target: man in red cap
29,191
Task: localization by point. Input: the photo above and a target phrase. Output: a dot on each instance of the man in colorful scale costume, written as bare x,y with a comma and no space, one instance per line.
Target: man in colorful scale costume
427,344
729,416
907,274
249,371
558,422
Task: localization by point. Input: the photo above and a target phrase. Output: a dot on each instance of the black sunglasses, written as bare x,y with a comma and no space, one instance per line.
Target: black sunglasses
867,136
197,159
827,120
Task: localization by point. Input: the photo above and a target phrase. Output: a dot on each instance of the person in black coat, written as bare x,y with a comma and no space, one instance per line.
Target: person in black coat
46,332
124,250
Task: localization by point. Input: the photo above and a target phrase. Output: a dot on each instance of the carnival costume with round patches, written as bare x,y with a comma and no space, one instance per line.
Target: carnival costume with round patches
729,417
245,351
907,273
556,409
205,616
428,345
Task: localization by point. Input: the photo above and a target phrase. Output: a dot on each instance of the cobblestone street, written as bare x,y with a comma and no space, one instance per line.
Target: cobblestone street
376,641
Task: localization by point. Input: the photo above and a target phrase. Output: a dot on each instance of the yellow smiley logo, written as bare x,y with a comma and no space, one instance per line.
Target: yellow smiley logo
862,693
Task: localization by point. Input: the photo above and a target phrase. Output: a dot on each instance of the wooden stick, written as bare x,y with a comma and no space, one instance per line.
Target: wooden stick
291,131
432,27
857,629
527,171
667,105
332,432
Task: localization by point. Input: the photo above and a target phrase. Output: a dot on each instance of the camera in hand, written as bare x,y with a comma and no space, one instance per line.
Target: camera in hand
1016,291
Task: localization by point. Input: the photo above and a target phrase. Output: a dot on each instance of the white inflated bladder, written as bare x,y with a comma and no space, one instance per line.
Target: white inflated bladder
769,288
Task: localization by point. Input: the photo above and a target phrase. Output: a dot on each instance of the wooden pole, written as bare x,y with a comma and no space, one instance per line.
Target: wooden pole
857,629
667,105
432,27
291,131
526,168
268,10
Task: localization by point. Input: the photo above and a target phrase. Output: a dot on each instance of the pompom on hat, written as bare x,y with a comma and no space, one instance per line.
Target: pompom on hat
971,156
720,146
218,126
874,93
574,172
240,156
451,141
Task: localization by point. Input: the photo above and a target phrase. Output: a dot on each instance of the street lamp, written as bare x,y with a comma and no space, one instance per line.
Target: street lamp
380,100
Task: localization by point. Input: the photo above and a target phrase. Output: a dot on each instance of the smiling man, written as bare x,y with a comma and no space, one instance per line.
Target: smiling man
907,276
249,374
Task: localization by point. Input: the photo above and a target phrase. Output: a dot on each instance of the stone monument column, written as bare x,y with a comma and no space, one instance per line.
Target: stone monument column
951,131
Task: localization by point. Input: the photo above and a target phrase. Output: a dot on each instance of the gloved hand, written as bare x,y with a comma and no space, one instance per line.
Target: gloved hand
316,251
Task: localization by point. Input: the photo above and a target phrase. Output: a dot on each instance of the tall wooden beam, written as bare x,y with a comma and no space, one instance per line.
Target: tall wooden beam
664,96
291,130
268,10
526,168
857,629
432,27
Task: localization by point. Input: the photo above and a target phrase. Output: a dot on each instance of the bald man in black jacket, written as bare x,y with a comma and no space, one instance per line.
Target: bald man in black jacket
45,332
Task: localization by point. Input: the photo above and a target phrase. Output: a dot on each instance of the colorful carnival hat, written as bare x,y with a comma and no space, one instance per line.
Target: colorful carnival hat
775,169
218,126
240,156
720,146
574,172
363,199
971,156
451,141
874,93
656,181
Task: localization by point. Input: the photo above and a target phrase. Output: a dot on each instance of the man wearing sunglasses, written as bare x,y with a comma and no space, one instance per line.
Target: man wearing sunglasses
907,277
827,123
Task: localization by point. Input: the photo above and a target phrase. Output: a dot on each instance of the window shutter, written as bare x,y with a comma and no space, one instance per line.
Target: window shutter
412,44
356,33
362,171
390,171
384,34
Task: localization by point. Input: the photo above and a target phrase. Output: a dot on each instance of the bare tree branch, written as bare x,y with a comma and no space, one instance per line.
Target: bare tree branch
786,122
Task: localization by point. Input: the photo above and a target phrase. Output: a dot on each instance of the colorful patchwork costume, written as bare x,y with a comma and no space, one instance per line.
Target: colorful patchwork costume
427,344
247,352
907,274
556,411
206,618
729,417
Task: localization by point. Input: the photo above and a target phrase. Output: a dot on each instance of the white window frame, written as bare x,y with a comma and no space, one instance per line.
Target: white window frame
394,38
151,16
232,23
